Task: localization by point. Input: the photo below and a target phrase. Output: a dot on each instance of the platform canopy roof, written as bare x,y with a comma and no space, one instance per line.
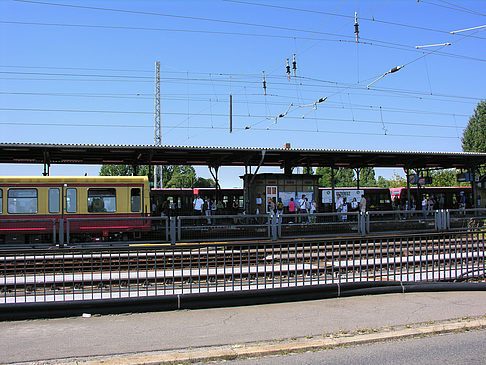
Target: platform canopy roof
230,156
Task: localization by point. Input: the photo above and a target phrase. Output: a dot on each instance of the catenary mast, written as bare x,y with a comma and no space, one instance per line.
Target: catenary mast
158,180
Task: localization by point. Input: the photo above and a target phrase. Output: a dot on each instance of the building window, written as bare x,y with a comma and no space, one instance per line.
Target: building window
54,200
71,200
101,200
22,201
135,200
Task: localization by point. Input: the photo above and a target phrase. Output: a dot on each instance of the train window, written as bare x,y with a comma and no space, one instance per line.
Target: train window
135,200
22,201
101,200
54,200
1,200
71,200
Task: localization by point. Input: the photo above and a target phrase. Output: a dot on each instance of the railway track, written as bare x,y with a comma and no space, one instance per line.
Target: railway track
166,257
177,269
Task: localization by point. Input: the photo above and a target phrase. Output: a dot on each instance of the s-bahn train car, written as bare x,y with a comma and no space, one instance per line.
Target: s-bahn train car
174,202
376,198
444,197
32,207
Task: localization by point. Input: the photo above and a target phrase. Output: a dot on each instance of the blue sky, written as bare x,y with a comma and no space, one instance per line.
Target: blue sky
83,72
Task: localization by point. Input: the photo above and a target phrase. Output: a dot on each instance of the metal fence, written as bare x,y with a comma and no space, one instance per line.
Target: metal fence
98,273
118,231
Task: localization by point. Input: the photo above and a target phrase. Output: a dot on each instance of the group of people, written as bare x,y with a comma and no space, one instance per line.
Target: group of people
303,206
306,206
342,206
209,207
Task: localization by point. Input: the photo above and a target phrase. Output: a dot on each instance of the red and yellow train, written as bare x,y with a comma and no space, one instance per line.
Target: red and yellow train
31,208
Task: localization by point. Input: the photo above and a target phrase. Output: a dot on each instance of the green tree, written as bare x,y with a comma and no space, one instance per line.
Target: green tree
397,181
325,179
125,170
444,178
474,136
182,177
342,177
204,183
173,176
382,182
367,177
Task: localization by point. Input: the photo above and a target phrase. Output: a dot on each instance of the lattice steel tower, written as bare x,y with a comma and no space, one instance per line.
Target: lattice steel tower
158,180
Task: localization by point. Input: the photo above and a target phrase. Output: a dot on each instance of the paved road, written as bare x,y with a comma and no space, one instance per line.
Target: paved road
452,348
79,337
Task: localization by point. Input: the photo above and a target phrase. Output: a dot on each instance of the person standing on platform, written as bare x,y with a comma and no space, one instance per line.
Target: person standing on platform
302,206
197,205
312,211
425,205
339,205
362,204
291,208
344,209
280,208
207,209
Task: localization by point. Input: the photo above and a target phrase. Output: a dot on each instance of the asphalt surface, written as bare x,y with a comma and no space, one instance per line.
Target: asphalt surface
450,348
238,332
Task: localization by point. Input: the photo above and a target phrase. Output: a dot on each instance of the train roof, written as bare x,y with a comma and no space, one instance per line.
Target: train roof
73,179
230,156
354,188
433,187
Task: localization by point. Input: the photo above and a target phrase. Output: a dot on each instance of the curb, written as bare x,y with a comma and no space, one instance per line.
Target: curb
247,350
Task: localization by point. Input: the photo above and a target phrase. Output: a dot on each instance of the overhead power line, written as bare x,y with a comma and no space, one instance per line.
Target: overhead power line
222,99
178,17
225,128
364,41
374,20
225,116
453,7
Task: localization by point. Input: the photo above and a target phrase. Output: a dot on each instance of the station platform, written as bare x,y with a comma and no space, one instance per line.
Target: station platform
228,333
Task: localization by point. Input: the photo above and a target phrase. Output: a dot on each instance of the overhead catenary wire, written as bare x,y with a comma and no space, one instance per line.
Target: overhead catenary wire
453,7
308,86
221,100
373,19
225,128
222,115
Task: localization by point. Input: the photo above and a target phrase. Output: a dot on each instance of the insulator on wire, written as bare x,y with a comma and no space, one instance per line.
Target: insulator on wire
288,69
356,26
294,64
395,69
264,84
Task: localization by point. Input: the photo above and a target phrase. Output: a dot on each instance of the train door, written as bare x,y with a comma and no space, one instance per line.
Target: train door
271,195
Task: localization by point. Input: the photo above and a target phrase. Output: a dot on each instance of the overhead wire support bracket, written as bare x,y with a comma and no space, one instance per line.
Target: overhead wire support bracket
356,26
288,70
314,105
275,119
394,69
434,45
465,30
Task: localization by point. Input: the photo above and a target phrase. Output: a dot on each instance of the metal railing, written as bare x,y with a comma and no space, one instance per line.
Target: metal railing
227,228
223,227
98,273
